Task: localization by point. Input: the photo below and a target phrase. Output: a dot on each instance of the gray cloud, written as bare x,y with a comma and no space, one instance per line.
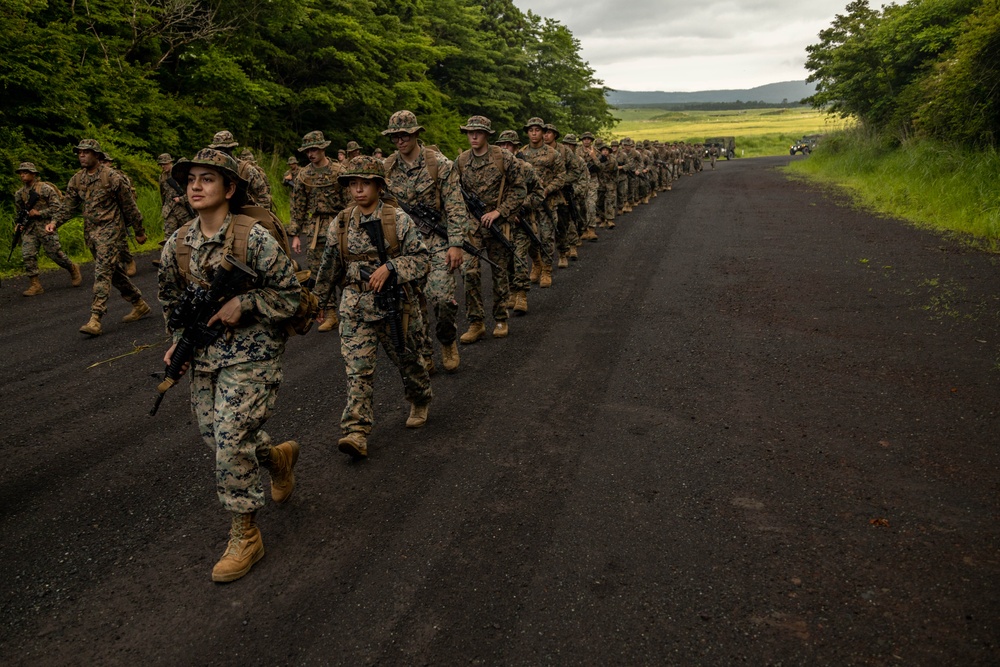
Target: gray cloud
681,45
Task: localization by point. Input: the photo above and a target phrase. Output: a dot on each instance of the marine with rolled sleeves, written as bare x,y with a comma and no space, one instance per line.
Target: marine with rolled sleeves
35,235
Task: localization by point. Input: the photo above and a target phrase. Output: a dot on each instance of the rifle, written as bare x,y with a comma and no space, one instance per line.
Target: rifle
176,187
574,215
530,233
21,222
391,294
428,220
192,313
477,207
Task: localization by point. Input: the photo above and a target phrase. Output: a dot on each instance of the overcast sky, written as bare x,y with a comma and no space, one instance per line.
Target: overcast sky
688,45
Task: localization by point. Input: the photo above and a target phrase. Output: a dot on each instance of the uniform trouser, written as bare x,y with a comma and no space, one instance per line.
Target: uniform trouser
621,197
35,238
547,217
606,203
231,406
518,267
438,293
633,189
592,202
359,343
105,244
473,279
566,234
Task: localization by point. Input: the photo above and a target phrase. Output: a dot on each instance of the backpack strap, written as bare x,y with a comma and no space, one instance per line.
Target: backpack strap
348,215
182,251
463,161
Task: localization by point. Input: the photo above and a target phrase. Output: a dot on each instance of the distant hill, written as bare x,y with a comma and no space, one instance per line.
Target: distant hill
792,91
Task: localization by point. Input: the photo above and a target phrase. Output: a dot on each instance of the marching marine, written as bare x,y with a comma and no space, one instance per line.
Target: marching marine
258,189
36,201
550,168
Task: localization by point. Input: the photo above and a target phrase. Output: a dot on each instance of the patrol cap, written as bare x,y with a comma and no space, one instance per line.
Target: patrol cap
509,137
312,139
534,122
89,145
549,127
353,146
586,135
362,166
402,122
223,139
26,166
164,158
570,139
481,123
216,159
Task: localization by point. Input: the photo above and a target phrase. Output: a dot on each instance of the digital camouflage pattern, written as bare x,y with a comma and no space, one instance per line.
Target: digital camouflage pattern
412,184
34,235
174,213
317,198
519,281
107,206
550,168
363,323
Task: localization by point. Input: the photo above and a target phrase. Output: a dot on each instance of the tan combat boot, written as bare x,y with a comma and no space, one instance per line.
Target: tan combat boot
354,445
130,269
500,330
611,224
591,234
521,302
281,464
139,310
244,549
449,357
475,332
536,271
93,326
562,264
546,279
330,321
34,288
573,254
418,415
75,276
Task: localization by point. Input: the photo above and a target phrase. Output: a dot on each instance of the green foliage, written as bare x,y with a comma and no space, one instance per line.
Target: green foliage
942,186
925,68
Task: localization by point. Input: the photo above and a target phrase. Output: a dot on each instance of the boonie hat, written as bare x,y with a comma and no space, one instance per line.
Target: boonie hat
549,127
312,139
26,166
362,166
534,122
89,145
353,146
570,139
164,158
481,123
509,137
586,135
293,160
210,157
223,139
402,122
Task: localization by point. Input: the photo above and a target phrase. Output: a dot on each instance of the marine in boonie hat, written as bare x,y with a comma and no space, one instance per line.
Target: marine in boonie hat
402,122
509,137
314,139
89,145
599,144
164,158
293,160
586,135
549,127
223,139
615,143
362,166
216,159
627,141
26,166
353,146
478,123
534,122
570,139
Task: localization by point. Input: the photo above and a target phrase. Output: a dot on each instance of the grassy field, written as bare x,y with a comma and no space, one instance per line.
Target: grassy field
758,132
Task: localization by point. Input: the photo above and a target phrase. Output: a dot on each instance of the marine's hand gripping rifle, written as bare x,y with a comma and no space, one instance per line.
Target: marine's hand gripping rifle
195,308
391,296
21,222
477,207
429,221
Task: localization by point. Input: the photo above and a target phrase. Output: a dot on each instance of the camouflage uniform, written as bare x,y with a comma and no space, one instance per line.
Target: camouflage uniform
535,199
288,180
107,206
566,233
174,214
258,187
363,320
591,158
550,167
479,174
235,380
621,181
34,235
607,179
317,198
413,184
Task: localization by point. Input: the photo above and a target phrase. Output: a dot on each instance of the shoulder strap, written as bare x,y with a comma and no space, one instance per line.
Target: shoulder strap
498,161
243,222
182,251
389,225
343,218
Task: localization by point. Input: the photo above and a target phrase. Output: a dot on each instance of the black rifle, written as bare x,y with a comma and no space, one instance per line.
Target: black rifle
574,214
477,207
530,233
392,294
195,308
428,220
21,222
176,187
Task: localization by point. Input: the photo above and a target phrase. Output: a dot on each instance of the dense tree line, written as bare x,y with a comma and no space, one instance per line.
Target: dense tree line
925,68
147,76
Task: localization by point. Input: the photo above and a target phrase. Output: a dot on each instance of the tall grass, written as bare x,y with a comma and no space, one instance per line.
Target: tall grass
935,185
148,199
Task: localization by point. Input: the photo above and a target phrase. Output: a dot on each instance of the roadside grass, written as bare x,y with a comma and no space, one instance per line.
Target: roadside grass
934,185
148,199
758,132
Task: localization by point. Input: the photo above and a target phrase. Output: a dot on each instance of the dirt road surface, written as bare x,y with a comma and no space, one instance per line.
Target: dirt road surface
751,425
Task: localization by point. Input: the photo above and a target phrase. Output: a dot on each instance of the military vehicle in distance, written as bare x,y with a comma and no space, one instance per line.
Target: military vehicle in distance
727,146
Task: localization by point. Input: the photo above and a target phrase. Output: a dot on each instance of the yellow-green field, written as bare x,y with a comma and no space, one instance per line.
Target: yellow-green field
758,131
